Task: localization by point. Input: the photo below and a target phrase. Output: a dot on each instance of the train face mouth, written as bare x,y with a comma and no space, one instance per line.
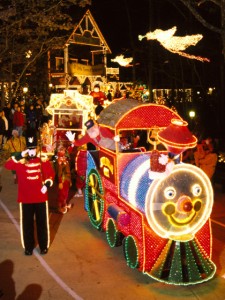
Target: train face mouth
183,212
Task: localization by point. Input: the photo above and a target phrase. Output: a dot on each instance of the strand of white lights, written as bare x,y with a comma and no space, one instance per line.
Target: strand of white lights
175,44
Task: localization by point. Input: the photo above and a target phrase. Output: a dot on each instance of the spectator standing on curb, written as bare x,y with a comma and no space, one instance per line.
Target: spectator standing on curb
2,128
206,158
14,146
31,118
19,120
39,112
7,111
5,135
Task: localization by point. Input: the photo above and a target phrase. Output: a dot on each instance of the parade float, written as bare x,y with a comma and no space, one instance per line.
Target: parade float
69,110
145,199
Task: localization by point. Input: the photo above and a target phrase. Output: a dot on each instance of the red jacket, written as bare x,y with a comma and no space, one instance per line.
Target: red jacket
18,118
98,97
32,174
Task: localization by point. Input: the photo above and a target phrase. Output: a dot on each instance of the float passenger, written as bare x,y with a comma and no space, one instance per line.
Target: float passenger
97,135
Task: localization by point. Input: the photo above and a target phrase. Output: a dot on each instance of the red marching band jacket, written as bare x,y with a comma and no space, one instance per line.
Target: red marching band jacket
32,175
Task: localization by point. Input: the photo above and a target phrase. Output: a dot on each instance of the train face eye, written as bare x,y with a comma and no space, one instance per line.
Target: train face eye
170,193
196,190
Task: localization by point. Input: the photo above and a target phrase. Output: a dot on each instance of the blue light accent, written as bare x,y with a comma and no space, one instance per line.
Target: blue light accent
144,181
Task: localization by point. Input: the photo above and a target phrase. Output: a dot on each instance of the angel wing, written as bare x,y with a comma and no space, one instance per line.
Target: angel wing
175,44
120,59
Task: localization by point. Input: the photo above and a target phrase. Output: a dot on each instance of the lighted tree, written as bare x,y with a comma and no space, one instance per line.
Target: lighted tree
28,29
195,8
214,8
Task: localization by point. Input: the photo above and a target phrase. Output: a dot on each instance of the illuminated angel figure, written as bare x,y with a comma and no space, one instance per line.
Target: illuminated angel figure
121,60
175,44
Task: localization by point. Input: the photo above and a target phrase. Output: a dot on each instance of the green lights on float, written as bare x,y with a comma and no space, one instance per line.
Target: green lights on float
131,252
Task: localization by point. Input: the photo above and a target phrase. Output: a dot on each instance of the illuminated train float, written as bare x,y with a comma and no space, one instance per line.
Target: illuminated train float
147,200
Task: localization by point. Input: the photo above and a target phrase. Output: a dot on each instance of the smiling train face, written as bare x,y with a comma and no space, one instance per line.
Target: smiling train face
178,206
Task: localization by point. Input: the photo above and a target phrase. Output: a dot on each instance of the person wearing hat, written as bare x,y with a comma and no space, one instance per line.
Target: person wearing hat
98,96
96,135
34,178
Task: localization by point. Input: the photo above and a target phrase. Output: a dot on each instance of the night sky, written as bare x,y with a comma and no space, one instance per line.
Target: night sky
121,21
112,19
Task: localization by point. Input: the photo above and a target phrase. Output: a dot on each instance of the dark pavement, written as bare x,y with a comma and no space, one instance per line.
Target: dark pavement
81,265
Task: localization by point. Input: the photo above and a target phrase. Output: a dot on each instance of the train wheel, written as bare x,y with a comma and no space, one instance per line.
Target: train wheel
114,237
130,248
95,201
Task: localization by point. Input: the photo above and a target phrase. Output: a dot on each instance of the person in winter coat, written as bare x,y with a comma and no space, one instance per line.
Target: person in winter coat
5,135
31,118
14,146
19,120
206,158
2,128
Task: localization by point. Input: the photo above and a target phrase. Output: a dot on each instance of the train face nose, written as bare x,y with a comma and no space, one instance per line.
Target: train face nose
184,204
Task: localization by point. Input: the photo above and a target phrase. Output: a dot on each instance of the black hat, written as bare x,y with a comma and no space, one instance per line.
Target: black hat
31,140
90,123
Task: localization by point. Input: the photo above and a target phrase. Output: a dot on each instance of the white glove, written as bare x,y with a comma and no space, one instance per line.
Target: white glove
70,136
116,138
44,189
23,153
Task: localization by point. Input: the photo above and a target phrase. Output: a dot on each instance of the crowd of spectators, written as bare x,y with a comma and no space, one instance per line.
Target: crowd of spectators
22,115
29,113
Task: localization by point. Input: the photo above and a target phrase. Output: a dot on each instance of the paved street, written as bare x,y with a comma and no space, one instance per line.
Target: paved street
81,265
